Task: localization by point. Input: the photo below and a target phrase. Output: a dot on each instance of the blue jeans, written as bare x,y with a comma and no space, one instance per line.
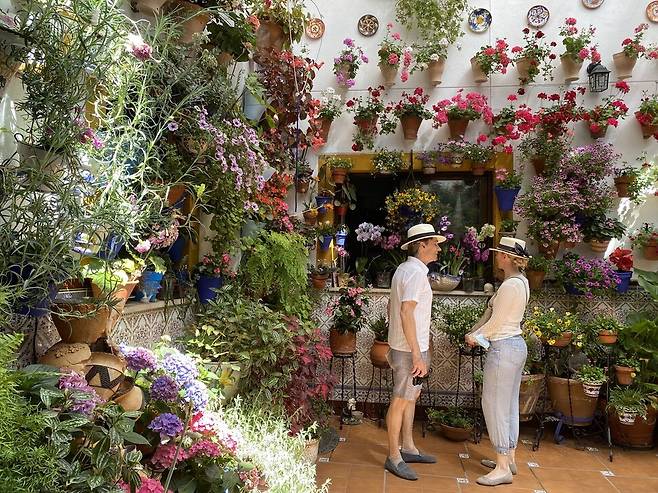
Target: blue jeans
500,391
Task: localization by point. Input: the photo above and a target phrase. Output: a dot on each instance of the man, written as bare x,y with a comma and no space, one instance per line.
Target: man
409,313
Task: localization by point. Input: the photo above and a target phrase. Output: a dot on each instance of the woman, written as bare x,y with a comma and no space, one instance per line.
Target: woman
501,327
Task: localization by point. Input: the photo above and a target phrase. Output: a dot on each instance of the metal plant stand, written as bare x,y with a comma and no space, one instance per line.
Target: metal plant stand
342,358
474,353
382,403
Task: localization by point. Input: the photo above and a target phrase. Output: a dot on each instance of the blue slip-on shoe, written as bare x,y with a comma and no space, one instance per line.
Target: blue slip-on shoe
401,470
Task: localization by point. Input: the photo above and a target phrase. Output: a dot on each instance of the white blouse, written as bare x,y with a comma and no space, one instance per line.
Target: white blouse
507,308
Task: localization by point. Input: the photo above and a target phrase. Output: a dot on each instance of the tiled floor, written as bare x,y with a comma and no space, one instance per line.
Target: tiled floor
356,465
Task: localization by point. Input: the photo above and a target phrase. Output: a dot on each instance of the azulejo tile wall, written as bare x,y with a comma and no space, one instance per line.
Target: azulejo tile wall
444,367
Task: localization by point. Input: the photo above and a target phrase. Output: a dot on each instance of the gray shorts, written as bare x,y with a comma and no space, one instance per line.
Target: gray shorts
402,363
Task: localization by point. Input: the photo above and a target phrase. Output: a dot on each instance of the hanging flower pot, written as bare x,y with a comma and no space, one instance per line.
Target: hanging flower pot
478,74
607,337
338,175
523,68
311,217
149,286
302,185
325,242
563,341
322,201
342,343
410,126
378,353
624,281
457,128
478,169
149,7
506,197
599,246
323,128
549,251
623,65
648,129
596,131
270,35
571,68
340,239
622,184
205,287
193,21
535,279
624,374
650,250
435,71
389,74
367,125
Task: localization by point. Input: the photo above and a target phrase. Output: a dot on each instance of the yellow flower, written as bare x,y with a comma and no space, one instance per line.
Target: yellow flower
552,309
568,314
559,320
580,336
633,374
538,333
579,344
551,342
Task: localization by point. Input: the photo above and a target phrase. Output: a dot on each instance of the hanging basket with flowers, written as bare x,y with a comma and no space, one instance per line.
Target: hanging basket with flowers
647,116
534,58
328,107
431,57
389,162
390,52
408,207
490,60
459,110
632,49
508,186
576,49
608,113
411,111
347,63
367,112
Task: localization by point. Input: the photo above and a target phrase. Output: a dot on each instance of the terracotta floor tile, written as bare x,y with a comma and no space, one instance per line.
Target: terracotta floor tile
338,485
637,464
473,487
361,485
579,487
567,458
629,485
524,479
447,465
396,488
360,452
331,470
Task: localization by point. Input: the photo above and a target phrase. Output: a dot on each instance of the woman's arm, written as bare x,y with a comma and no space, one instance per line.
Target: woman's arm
507,297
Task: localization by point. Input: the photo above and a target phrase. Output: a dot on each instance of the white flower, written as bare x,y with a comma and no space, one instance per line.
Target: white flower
338,98
422,66
324,101
330,90
443,42
434,57
408,49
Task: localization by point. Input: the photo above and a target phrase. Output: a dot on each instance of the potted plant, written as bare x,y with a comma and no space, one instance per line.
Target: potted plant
325,233
281,21
456,322
411,111
408,207
390,53
592,378
582,276
533,58
233,43
191,16
380,347
576,49
626,370
552,327
347,64
538,266
431,56
149,283
625,179
324,200
490,60
605,328
13,50
479,155
303,177
647,116
622,258
451,261
389,162
543,150
477,252
366,116
508,227
632,413
455,423
459,110
310,214
210,274
632,49
341,235
319,276
646,238
330,107
339,168
347,312
345,199
608,113
507,188
599,230
628,403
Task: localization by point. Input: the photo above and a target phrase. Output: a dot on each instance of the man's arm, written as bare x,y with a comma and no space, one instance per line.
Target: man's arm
409,328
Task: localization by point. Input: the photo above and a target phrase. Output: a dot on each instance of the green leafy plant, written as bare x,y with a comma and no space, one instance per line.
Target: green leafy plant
456,322
541,145
379,327
386,161
648,233
592,375
601,323
348,310
539,263
549,325
603,228
629,400
109,275
437,22
454,417
290,15
335,162
509,225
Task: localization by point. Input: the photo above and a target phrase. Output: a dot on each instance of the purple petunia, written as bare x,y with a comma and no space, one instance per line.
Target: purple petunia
138,358
164,388
167,424
172,126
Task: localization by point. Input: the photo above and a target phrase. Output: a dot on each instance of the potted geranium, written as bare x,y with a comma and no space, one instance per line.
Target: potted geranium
347,312
366,112
455,423
536,271
508,186
281,21
592,378
408,207
431,56
552,327
622,258
599,230
608,113
479,155
625,179
489,60
330,106
347,63
646,238
576,48
339,168
388,162
390,54
380,347
533,58
511,122
581,276
632,49
210,274
647,116
411,111
459,110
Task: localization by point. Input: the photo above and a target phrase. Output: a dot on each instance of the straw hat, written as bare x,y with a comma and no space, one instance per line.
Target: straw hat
421,232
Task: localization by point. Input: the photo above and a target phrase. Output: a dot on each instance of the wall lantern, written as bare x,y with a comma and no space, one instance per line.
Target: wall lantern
598,77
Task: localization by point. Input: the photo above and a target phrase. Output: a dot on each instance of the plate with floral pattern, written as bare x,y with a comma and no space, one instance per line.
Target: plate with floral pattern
315,28
593,4
479,20
652,11
368,25
538,16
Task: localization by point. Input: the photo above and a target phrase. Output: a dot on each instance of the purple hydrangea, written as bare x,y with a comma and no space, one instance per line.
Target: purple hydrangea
164,388
180,366
138,358
196,392
167,424
84,398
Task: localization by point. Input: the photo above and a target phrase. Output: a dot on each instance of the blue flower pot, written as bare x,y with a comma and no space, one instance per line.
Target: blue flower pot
177,250
340,239
41,308
506,198
149,285
625,280
205,286
113,246
322,201
572,290
325,242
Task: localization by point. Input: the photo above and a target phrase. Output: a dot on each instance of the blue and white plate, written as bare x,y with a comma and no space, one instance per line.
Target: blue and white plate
538,16
479,20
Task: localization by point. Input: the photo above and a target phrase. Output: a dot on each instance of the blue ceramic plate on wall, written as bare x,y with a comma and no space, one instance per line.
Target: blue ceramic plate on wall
479,20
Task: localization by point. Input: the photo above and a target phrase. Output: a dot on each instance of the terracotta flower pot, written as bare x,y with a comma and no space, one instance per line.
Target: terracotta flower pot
324,128
563,341
529,394
389,74
478,74
311,450
549,251
523,69
193,21
311,217
150,7
456,434
607,337
650,250
105,373
539,163
120,295
569,401
344,343
599,246
624,374
639,435
623,65
410,126
64,355
338,175
76,328
598,134
319,282
571,68
378,353
535,279
341,210
457,128
435,71
270,35
302,185
129,396
368,125
622,183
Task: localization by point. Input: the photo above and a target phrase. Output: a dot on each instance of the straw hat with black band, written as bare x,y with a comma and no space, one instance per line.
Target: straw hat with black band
513,247
421,232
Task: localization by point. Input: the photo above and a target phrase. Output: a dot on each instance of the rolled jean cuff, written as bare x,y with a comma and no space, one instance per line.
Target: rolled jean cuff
502,450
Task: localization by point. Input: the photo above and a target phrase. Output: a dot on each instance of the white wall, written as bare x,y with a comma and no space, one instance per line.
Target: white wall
614,21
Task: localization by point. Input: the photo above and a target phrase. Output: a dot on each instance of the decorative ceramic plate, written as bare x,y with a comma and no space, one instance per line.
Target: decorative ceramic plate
538,16
593,4
315,28
652,11
368,25
479,20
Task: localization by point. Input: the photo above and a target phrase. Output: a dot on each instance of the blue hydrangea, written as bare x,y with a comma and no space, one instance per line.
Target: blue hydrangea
167,424
164,388
138,358
180,366
196,392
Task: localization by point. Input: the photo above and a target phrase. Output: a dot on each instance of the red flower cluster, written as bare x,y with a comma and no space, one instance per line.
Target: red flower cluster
493,59
271,200
412,104
608,113
622,258
553,119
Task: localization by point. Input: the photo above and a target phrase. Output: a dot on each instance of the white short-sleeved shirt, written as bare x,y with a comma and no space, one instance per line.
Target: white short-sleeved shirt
410,283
